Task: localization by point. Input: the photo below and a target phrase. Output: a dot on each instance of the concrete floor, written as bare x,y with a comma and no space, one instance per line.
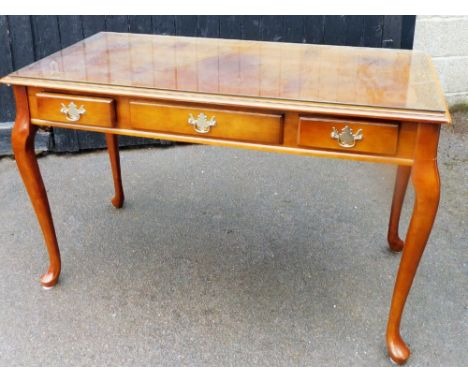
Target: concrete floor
224,257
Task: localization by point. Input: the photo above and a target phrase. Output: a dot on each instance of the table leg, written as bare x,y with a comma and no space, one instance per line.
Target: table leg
113,149
22,139
425,178
401,183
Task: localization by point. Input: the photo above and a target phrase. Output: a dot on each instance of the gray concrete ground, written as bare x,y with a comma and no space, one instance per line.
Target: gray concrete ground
226,257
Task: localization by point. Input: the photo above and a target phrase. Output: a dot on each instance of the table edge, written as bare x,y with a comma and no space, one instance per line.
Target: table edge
239,101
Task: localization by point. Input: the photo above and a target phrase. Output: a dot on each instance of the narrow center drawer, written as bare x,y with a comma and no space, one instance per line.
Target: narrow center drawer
75,109
206,122
348,135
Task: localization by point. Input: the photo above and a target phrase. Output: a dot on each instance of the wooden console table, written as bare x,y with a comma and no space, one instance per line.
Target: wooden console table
339,102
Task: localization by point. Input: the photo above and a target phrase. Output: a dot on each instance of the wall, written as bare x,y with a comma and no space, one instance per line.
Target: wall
445,38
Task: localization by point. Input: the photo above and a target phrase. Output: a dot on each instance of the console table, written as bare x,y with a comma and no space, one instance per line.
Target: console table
338,102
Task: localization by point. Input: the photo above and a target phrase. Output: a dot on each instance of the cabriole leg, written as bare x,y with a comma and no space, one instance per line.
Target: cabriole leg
113,149
425,178
22,139
401,183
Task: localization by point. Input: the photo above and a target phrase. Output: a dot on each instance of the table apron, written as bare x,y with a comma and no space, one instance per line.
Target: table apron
233,144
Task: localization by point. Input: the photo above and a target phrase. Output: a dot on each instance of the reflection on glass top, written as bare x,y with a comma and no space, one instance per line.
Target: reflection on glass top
300,72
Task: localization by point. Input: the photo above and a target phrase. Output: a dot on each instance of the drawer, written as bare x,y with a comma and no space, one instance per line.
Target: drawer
206,122
78,110
348,135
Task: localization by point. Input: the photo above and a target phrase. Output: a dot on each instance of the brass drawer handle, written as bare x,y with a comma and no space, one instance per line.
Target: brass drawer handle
346,138
202,124
72,112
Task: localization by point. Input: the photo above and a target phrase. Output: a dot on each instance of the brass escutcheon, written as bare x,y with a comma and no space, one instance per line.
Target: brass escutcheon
202,124
72,112
346,138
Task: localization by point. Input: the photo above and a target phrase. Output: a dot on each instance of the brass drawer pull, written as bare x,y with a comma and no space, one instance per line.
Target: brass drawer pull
72,112
202,124
346,138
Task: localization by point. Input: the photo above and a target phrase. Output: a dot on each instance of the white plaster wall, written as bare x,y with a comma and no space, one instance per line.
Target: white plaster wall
445,38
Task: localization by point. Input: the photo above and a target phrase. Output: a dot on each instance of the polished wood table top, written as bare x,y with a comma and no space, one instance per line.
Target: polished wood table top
400,80
359,104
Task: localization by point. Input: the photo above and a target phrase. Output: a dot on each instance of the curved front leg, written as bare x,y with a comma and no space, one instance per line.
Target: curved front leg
401,183
425,179
22,140
113,149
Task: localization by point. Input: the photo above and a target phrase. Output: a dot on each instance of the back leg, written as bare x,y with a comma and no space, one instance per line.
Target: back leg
113,149
401,184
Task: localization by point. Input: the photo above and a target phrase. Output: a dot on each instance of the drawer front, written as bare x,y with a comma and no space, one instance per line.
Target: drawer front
205,122
356,136
78,110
